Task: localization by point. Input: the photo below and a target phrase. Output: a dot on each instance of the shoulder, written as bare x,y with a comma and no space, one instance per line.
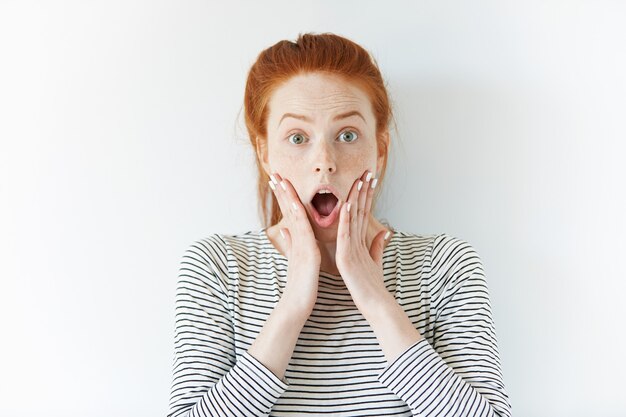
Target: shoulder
207,250
440,250
452,253
217,250
407,241
454,264
445,258
203,263
441,247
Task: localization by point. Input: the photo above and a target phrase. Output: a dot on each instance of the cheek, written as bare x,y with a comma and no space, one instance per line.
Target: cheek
359,162
289,167
281,160
286,164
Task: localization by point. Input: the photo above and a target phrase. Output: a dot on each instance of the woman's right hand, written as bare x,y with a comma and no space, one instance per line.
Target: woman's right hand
302,251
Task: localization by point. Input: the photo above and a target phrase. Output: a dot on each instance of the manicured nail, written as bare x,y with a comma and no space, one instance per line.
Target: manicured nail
358,187
387,234
369,177
282,184
281,233
374,183
272,186
274,180
348,207
294,205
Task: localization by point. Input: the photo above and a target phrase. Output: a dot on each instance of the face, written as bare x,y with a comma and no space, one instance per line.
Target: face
321,147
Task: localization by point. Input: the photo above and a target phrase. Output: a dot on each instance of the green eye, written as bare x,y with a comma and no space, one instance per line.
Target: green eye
351,136
296,135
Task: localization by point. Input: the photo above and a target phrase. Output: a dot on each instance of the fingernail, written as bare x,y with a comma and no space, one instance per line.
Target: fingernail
374,183
282,184
358,187
348,207
387,234
274,179
294,205
272,186
369,177
281,233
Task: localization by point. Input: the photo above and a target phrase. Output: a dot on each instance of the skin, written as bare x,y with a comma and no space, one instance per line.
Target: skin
353,246
325,155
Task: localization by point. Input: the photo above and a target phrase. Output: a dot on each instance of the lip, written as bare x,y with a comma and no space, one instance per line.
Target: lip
324,187
327,221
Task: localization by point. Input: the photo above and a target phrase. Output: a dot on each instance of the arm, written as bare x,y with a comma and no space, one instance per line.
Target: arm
274,345
208,380
460,374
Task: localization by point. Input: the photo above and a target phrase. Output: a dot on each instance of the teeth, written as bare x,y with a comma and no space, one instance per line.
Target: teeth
323,192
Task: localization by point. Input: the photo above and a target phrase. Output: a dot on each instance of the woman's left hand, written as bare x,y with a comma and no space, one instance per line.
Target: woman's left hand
360,267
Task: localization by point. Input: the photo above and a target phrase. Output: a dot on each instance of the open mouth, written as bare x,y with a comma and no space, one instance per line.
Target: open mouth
324,204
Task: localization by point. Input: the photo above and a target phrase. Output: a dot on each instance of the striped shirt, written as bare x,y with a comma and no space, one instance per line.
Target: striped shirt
229,284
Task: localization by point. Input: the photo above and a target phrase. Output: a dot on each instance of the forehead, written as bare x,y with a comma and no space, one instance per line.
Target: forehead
318,95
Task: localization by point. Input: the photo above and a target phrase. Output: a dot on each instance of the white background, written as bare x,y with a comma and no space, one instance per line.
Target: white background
122,141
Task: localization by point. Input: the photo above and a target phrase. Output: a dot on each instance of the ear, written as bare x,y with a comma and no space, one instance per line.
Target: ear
261,152
381,158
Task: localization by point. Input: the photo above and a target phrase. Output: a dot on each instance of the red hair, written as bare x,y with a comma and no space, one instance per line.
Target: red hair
310,53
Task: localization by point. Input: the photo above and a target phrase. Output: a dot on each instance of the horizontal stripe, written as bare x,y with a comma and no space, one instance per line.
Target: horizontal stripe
228,286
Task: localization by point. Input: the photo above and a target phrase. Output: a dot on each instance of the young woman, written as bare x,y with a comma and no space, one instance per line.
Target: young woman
328,311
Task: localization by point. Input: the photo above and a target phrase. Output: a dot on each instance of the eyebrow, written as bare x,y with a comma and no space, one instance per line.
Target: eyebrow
338,117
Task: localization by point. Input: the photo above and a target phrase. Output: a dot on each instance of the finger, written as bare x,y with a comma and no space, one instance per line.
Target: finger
287,204
274,184
284,201
343,229
286,236
362,200
290,194
353,198
296,209
370,184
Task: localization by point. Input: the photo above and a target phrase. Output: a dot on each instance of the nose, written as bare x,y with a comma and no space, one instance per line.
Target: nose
324,162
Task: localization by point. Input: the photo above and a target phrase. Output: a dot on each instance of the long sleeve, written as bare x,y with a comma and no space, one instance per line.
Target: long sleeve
208,379
460,375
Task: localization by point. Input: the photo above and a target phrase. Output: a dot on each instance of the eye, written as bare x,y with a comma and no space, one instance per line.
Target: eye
349,135
296,135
